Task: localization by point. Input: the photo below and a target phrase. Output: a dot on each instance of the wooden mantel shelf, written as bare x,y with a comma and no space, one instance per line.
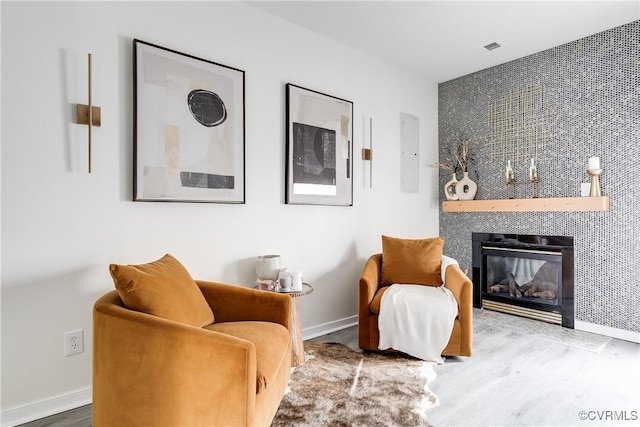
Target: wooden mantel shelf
555,204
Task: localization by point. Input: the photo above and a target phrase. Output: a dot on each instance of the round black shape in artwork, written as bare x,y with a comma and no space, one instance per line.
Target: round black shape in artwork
206,107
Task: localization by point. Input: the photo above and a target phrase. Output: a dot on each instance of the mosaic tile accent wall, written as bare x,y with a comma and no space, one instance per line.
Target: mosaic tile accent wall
592,92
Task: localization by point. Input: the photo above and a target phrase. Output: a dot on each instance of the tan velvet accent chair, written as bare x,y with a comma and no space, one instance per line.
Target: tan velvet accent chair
370,293
151,371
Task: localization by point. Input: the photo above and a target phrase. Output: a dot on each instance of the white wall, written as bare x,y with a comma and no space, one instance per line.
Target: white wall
61,227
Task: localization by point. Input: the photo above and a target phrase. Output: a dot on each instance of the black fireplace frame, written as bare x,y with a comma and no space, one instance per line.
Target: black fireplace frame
551,248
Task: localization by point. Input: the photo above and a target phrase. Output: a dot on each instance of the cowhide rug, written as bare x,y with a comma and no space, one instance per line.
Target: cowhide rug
340,387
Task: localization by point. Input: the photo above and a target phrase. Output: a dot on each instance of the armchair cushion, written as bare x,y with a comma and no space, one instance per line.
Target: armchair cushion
377,300
269,339
412,261
163,288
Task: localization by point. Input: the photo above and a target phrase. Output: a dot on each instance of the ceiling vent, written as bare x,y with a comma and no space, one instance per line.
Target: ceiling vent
492,46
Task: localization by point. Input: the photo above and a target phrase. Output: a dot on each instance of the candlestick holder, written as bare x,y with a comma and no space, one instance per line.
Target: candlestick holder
512,182
594,190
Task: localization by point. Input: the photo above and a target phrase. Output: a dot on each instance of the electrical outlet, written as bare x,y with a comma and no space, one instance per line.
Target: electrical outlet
73,342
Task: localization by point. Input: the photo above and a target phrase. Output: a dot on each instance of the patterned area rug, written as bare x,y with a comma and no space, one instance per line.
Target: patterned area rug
571,337
337,386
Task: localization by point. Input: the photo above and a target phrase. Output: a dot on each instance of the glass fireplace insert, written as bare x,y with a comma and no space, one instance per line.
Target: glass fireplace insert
526,275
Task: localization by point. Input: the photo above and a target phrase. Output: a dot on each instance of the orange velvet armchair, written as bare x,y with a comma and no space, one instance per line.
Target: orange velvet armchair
370,294
151,371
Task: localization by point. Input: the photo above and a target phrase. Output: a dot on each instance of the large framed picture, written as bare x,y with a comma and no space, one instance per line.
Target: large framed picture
319,148
189,128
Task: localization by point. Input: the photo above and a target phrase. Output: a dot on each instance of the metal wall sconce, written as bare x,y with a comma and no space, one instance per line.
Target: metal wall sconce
88,114
366,152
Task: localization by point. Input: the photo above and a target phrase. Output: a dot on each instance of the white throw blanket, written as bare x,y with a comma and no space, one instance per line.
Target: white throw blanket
417,320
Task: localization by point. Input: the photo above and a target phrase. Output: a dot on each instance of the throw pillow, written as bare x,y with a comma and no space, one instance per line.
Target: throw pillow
163,288
413,261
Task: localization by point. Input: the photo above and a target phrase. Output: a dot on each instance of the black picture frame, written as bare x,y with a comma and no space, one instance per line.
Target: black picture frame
319,137
189,128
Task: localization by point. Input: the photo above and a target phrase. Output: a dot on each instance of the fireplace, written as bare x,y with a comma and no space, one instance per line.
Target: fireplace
525,275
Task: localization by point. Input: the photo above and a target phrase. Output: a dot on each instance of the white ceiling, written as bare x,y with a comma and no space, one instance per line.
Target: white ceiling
442,40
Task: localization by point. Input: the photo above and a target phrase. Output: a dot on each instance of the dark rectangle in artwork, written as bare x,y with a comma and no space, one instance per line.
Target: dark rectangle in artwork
206,180
349,161
314,155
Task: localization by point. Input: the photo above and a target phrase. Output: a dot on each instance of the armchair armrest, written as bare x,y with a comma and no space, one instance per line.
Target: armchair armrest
457,282
235,303
197,367
369,280
462,288
367,288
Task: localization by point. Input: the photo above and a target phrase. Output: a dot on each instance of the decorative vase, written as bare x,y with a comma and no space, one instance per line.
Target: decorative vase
466,188
450,188
268,267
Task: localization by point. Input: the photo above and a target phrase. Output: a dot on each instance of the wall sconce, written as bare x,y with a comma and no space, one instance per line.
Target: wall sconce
88,114
367,152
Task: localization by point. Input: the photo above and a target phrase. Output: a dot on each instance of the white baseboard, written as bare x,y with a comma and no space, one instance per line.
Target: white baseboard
326,328
45,408
607,331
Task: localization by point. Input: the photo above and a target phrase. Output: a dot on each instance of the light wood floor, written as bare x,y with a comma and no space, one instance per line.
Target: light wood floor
512,379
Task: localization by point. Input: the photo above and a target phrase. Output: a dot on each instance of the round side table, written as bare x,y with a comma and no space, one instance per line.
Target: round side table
297,345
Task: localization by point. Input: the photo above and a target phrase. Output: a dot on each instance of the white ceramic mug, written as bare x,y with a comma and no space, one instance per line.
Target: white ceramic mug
296,280
284,279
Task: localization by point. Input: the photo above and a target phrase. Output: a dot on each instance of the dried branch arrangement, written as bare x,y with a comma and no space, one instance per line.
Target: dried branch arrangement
458,160
463,156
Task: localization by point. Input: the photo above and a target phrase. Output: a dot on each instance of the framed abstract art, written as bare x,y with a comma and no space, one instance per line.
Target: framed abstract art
319,169
189,128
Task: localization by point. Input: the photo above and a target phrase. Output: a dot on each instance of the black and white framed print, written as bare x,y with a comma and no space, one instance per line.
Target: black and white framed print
319,148
189,128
